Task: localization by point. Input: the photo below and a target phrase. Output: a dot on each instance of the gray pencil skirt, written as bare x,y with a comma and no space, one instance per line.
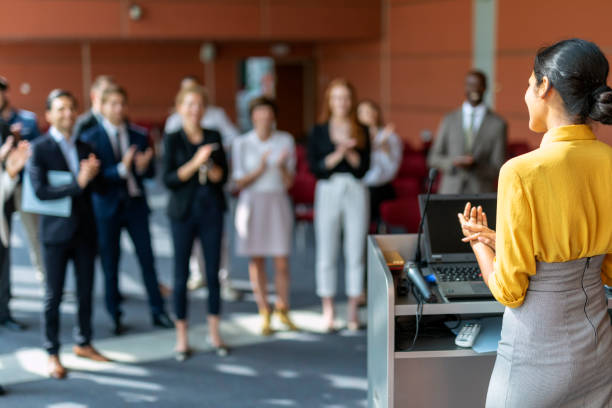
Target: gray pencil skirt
556,348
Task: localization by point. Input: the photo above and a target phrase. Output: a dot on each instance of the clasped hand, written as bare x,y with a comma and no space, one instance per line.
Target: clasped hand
88,170
474,226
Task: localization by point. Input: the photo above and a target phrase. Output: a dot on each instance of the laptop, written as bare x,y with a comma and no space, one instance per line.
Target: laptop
452,261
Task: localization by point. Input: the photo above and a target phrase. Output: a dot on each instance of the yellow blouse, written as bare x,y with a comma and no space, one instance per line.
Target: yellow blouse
554,205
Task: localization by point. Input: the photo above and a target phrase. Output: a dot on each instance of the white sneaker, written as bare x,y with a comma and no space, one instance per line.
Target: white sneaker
195,283
230,294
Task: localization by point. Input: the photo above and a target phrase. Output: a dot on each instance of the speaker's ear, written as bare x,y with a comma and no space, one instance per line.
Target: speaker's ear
544,88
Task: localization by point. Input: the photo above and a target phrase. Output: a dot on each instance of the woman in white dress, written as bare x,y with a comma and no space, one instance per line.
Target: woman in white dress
263,169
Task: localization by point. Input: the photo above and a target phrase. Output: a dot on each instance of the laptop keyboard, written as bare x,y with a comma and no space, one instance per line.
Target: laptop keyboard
457,273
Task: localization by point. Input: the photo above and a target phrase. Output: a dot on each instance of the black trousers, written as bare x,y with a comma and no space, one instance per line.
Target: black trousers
133,216
378,195
5,265
205,221
82,253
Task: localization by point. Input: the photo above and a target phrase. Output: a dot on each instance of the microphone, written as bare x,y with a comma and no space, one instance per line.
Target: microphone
433,173
413,269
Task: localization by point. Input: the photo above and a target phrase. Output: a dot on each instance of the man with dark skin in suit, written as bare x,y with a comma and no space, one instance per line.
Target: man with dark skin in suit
470,146
475,87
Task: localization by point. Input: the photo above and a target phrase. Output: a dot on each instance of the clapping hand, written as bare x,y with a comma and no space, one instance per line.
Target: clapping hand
6,148
466,161
16,129
203,154
348,144
128,157
263,163
142,160
283,158
474,226
17,158
88,170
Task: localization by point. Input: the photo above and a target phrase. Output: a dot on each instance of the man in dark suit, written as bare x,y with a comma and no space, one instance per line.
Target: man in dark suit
470,147
126,159
66,238
93,116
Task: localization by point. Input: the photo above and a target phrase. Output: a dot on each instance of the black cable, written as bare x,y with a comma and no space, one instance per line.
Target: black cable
586,296
417,316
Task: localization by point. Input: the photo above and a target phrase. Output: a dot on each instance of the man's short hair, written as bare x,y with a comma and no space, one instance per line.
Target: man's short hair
4,84
101,80
263,101
480,74
114,89
59,93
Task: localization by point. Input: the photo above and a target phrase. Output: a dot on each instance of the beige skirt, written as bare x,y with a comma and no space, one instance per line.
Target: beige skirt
264,224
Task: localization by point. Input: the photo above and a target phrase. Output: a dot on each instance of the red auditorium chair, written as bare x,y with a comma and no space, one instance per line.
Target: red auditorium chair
414,164
302,194
516,149
301,163
407,187
401,212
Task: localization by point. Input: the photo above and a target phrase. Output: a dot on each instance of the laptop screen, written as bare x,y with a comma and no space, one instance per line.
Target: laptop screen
442,233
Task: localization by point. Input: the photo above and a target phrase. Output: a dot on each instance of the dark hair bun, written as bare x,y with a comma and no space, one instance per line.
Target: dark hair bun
601,111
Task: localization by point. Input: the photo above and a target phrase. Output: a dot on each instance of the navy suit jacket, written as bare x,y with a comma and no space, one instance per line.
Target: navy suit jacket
46,156
113,188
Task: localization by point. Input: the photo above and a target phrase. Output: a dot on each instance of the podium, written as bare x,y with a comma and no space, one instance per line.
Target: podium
434,373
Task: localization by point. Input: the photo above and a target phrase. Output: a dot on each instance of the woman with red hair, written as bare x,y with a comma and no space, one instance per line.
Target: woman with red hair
339,156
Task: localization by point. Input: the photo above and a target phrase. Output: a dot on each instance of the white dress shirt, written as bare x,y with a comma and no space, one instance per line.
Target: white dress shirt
68,148
120,141
383,165
479,112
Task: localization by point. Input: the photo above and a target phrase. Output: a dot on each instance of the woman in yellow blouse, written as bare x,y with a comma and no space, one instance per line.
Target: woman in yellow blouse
553,245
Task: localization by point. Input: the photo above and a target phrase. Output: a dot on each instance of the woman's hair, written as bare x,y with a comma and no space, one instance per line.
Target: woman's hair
357,131
263,101
379,118
578,70
196,89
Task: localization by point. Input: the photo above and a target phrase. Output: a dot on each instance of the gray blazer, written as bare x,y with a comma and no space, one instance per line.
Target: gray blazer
488,150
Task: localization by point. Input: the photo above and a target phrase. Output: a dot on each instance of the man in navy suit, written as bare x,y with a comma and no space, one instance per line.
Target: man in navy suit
66,238
126,159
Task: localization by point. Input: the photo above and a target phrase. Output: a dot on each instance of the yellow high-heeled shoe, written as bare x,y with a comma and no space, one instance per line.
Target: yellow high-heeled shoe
266,326
283,316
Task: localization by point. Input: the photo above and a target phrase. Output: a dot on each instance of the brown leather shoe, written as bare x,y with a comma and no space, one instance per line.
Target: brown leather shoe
55,368
89,352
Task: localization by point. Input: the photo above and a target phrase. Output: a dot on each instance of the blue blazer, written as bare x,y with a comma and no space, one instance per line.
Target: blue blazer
46,156
113,188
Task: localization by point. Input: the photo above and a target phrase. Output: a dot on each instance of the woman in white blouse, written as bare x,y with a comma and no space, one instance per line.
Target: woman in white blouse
385,157
263,169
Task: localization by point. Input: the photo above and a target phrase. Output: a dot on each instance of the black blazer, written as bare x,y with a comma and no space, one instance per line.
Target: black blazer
320,145
178,151
47,155
84,122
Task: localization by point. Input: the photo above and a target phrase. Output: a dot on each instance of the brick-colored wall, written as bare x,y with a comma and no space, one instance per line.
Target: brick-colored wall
409,55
